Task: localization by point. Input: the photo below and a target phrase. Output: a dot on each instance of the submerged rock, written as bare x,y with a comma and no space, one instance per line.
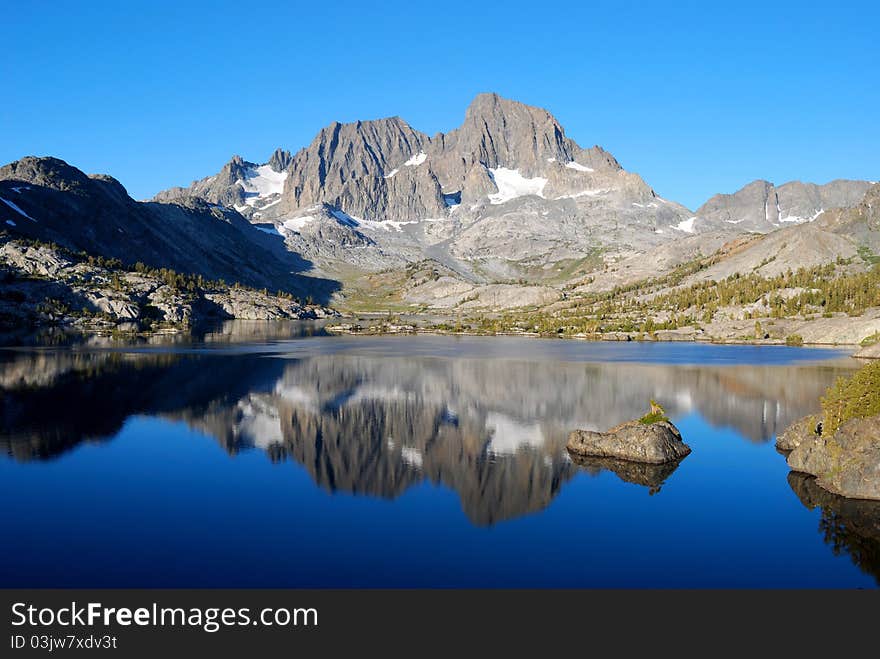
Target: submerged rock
845,463
654,443
807,429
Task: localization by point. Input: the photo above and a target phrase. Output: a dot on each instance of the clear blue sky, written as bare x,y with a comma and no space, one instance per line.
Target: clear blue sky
696,97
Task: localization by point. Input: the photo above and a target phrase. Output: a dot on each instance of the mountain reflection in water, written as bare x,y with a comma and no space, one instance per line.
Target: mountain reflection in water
494,430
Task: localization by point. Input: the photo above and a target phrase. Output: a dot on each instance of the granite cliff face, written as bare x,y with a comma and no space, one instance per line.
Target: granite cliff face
506,187
762,207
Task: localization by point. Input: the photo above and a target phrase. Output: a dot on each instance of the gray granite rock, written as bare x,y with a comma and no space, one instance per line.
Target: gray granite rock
798,432
846,463
869,352
761,206
655,443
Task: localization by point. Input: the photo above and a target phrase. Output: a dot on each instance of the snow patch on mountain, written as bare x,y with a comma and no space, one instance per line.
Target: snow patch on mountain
800,220
271,230
511,184
296,224
261,182
686,225
416,160
579,167
586,193
16,209
452,199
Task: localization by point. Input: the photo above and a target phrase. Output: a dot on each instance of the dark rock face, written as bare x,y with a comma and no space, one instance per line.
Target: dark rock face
656,443
46,285
48,200
798,432
846,463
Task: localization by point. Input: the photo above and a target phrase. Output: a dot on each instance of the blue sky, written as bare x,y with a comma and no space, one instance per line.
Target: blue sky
696,97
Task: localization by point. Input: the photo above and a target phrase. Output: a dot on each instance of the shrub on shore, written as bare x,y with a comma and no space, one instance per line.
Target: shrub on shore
856,397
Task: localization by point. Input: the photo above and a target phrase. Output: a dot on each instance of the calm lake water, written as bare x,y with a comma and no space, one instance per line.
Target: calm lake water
249,459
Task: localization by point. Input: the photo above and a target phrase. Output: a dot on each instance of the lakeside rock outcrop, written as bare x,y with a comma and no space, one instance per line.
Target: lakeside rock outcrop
845,463
806,429
869,352
651,443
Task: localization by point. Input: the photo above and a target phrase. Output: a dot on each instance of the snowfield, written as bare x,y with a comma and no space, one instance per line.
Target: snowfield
511,184
686,225
800,220
586,193
261,182
578,167
296,224
416,160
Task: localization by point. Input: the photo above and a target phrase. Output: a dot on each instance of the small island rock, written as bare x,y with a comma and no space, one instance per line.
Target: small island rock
654,443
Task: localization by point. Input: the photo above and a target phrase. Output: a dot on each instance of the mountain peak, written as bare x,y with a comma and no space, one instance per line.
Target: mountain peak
493,99
500,132
280,160
45,171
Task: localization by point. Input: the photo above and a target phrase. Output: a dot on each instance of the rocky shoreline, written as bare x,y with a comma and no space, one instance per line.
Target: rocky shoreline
841,447
45,285
360,326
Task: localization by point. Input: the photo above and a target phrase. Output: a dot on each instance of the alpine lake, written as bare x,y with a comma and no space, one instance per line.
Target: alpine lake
275,455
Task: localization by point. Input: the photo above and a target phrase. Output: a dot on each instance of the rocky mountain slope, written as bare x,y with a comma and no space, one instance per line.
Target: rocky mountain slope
849,233
42,284
48,200
762,207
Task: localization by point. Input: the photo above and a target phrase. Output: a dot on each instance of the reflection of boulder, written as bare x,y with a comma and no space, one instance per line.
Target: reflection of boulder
651,443
846,462
652,476
850,526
